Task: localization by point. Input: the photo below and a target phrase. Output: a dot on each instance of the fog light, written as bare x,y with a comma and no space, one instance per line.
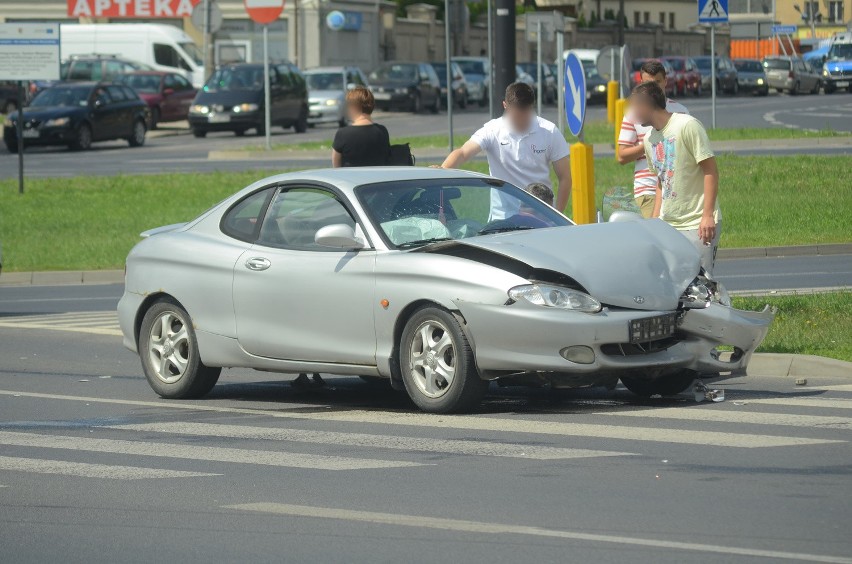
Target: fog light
580,354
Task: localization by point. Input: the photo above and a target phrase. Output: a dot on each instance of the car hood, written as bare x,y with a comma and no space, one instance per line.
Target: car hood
49,112
229,97
834,66
744,74
325,94
392,84
643,264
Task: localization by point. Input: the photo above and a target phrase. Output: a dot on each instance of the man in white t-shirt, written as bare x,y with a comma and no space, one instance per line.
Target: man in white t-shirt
630,148
521,147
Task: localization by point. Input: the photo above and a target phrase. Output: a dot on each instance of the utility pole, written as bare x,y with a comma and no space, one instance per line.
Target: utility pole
504,51
620,22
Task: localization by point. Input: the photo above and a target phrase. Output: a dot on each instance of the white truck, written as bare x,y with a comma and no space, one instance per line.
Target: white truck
163,47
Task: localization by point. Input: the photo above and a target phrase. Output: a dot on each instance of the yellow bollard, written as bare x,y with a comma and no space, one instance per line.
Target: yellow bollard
620,109
583,182
611,97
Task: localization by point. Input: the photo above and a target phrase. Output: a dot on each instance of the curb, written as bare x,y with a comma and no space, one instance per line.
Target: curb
62,278
785,251
797,366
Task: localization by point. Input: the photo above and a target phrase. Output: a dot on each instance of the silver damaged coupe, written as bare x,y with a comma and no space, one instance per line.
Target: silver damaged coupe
437,280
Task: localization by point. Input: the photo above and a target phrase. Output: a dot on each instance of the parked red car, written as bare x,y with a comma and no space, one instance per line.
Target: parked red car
687,75
168,95
636,75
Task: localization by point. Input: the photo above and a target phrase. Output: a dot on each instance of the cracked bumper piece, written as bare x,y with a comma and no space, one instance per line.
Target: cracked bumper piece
521,338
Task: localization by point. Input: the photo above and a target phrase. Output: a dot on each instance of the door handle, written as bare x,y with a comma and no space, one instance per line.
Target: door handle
258,263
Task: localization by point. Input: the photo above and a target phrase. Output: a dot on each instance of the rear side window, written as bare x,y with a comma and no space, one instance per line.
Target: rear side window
242,221
113,69
129,93
85,70
116,93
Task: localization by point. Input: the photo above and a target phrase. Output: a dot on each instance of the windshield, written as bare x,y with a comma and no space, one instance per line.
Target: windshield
235,78
591,71
146,83
194,52
778,64
324,80
703,63
840,51
62,96
677,64
418,212
472,67
395,72
530,69
748,66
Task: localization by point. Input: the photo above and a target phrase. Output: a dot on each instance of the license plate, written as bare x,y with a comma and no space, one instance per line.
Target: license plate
652,328
842,84
382,96
219,118
31,133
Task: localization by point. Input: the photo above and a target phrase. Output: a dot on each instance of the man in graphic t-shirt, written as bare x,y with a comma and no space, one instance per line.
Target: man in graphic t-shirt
630,148
679,154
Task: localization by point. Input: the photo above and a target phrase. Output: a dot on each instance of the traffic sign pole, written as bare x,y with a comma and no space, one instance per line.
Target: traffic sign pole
582,155
448,63
267,121
560,84
713,12
713,75
19,131
538,62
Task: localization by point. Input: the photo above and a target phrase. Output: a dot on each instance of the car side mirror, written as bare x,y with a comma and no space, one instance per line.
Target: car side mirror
338,236
168,91
99,103
621,216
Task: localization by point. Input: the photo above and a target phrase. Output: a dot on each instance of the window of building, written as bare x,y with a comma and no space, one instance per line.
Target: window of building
835,11
636,20
671,20
646,17
662,19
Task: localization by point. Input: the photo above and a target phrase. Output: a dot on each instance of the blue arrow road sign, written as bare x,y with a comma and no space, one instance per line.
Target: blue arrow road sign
575,93
712,11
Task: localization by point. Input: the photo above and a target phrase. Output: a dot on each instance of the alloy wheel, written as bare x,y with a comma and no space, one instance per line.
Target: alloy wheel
433,359
168,347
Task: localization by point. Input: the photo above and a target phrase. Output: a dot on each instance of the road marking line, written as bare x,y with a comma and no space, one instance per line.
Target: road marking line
87,470
63,317
194,452
832,403
483,527
99,322
837,388
451,446
722,415
706,438
92,330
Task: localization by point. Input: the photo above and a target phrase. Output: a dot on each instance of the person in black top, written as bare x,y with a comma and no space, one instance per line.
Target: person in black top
363,143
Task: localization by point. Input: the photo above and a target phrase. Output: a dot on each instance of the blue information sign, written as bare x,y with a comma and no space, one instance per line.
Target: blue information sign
712,11
575,93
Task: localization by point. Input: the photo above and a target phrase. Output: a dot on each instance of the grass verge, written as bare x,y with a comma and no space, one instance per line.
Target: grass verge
819,324
595,132
92,222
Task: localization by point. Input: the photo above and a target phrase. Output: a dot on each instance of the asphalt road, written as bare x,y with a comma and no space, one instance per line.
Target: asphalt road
183,153
95,468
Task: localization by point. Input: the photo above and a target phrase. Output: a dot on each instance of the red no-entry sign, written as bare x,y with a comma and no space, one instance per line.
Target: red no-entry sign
264,11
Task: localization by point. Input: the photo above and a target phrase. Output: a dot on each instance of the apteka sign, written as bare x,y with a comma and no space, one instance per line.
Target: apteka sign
131,8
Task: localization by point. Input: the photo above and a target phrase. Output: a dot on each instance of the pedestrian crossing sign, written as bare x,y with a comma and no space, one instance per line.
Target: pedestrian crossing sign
712,11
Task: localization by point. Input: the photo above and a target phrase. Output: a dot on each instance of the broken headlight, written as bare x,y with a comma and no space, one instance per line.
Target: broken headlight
549,295
702,291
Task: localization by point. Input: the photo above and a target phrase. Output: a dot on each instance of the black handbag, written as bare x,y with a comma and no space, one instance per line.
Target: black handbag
400,155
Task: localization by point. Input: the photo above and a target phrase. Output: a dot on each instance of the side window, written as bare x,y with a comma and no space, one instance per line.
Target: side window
243,220
170,82
296,76
296,215
181,83
103,96
130,93
113,69
116,93
85,70
283,76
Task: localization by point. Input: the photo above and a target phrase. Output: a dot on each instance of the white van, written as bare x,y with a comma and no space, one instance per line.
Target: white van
585,55
163,47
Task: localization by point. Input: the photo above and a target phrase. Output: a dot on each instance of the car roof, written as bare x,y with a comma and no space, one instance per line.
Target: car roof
328,69
348,178
149,72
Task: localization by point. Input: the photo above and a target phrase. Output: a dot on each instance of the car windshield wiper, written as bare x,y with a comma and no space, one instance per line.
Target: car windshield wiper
420,242
505,229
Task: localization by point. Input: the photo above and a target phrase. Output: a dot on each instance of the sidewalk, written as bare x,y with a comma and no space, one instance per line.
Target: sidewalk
600,150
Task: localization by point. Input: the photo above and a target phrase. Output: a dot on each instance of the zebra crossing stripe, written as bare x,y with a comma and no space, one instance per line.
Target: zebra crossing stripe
88,470
450,446
194,452
723,415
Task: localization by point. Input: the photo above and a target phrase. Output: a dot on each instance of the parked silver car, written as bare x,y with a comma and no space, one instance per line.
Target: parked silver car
327,88
401,273
792,74
477,75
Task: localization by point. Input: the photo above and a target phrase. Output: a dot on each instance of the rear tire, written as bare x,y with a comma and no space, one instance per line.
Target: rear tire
199,133
669,384
137,138
437,363
155,118
239,132
794,90
301,124
169,351
12,147
816,88
417,104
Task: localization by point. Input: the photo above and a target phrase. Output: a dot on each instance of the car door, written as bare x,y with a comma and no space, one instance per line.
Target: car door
103,116
171,105
184,95
122,110
296,300
280,94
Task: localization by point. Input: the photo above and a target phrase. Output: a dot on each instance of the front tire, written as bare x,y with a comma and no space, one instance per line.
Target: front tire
169,352
155,118
437,363
301,124
199,133
669,384
82,139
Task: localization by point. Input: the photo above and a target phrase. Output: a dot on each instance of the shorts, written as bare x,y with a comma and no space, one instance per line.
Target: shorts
646,205
707,252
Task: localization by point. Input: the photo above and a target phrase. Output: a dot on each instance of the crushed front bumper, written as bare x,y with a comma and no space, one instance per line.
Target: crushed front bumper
523,338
